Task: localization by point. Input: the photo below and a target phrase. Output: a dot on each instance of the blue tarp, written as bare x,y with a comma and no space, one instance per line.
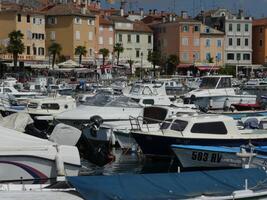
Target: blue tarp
169,185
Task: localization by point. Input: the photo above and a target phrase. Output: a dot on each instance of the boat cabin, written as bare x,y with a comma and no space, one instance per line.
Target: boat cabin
215,82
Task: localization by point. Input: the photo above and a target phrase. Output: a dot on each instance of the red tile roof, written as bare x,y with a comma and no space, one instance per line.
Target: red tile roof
260,22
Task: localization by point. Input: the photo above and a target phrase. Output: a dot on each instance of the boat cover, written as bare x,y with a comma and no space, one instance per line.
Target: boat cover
168,185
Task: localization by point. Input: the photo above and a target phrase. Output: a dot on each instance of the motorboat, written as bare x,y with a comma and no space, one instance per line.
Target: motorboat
24,157
217,93
194,156
255,84
205,130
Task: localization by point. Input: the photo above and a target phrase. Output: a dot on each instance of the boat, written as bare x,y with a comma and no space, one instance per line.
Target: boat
255,84
209,185
24,157
205,130
195,156
217,93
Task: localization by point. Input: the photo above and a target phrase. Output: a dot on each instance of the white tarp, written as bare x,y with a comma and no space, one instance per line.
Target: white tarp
16,121
69,64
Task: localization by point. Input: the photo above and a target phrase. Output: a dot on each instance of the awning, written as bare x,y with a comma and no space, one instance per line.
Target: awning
184,65
208,68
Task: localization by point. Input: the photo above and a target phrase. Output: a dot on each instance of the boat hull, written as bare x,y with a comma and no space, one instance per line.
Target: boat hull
160,146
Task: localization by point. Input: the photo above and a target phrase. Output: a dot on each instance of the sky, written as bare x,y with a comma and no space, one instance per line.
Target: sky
254,8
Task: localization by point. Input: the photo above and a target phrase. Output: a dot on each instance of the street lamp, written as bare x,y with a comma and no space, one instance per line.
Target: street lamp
141,69
238,59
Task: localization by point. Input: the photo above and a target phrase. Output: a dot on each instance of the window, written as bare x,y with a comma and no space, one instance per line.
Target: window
246,27
34,50
137,53
185,57
100,40
185,41
40,51
28,18
230,56
53,35
218,56
238,56
91,22
207,29
7,90
230,41
77,20
33,21
230,27
260,43
219,43
196,28
208,56
148,102
179,125
111,41
207,42
50,106
246,41
77,35
19,17
209,128
246,56
101,28
196,56
238,27
238,41
90,36
30,35
52,20
129,38
120,37
149,39
225,83
196,42
261,30
28,50
137,38
185,28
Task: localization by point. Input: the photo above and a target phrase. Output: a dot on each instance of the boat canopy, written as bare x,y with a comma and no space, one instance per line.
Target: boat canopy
169,185
215,82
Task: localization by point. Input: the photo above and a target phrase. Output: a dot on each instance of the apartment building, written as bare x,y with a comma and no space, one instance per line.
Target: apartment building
71,26
211,45
259,41
136,38
179,36
238,34
31,24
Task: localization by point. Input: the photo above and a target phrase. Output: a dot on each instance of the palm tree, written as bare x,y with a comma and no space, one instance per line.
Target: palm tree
155,58
81,51
104,52
118,48
131,62
15,45
54,49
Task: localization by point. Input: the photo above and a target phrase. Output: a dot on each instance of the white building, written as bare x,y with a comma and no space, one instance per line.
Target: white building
136,39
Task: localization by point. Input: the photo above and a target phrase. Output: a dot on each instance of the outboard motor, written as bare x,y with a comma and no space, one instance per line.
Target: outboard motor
98,153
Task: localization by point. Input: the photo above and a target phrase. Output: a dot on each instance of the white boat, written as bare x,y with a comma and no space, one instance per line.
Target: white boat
216,92
204,130
24,157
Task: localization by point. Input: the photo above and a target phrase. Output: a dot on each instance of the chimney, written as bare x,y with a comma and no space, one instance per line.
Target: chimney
150,12
155,11
142,12
184,14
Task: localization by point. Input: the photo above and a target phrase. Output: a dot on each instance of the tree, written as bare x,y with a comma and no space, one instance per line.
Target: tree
104,52
118,48
80,51
54,49
155,58
15,45
210,60
130,62
172,63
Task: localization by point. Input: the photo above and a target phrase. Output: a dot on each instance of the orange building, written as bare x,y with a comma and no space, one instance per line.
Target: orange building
259,41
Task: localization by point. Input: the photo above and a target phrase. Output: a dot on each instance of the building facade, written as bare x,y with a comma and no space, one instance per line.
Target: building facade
32,26
71,26
136,39
259,41
238,34
211,45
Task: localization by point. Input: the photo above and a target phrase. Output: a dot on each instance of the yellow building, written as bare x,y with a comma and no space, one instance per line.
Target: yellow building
31,24
211,45
71,26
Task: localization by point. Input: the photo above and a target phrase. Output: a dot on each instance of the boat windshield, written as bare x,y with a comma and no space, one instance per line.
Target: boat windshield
98,100
209,82
136,89
123,102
